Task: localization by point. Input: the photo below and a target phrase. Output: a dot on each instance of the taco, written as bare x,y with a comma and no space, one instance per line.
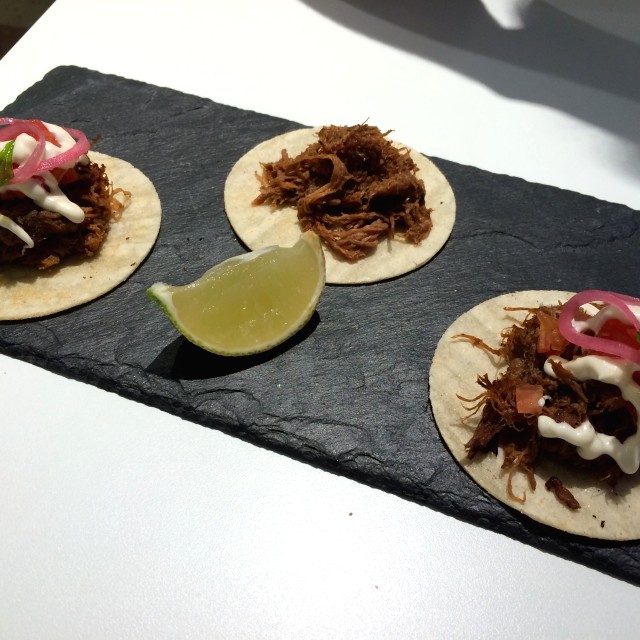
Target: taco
74,223
380,208
536,395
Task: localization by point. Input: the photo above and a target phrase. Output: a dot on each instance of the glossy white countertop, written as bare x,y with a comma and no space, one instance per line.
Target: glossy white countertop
120,521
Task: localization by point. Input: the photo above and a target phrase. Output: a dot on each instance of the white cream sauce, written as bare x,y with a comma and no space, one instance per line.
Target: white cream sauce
8,224
43,189
609,369
596,322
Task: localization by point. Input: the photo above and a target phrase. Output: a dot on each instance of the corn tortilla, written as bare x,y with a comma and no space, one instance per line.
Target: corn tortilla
259,226
29,293
456,365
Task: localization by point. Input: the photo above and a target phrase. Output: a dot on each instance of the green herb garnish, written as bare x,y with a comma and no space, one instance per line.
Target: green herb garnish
6,163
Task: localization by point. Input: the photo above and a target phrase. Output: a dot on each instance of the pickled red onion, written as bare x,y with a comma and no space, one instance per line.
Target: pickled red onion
13,127
12,131
605,346
78,149
29,166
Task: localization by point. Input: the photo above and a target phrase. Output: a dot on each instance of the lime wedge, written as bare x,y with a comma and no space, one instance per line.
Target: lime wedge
249,303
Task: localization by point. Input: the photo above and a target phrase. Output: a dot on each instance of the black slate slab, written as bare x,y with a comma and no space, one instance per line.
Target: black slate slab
350,393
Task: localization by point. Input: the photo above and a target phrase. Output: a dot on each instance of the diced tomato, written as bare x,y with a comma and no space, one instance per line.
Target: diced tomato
620,332
549,338
528,397
12,195
64,176
48,136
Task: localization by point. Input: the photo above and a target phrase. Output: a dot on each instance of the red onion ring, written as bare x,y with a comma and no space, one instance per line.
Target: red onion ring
594,343
81,147
11,132
13,127
28,167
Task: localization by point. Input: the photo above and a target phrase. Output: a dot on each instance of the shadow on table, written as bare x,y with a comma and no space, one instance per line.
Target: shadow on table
182,360
567,53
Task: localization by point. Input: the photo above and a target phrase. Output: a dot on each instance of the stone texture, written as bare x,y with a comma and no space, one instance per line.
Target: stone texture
349,393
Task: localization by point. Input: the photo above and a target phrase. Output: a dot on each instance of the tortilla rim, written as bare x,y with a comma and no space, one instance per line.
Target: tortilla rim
259,226
27,293
602,515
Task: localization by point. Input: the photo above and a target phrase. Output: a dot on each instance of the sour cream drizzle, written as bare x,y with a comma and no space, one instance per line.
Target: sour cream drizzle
609,369
43,187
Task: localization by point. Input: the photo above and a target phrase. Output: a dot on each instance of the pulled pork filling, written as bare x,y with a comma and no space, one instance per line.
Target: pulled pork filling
55,237
352,188
504,424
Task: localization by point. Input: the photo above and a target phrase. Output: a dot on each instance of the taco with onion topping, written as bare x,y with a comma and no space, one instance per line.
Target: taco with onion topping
74,223
537,396
380,208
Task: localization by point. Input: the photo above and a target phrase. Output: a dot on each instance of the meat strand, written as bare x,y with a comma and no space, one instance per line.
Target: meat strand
568,400
561,492
353,187
54,236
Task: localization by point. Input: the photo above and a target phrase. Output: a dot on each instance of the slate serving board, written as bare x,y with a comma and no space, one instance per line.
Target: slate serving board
349,394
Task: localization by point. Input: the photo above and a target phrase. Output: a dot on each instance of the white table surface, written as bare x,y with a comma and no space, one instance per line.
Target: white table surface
120,521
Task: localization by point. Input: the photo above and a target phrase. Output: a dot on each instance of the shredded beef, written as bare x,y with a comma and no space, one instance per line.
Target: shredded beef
54,236
561,492
352,187
569,400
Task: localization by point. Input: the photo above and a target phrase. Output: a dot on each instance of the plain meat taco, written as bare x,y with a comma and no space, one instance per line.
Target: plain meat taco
537,396
74,223
380,208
